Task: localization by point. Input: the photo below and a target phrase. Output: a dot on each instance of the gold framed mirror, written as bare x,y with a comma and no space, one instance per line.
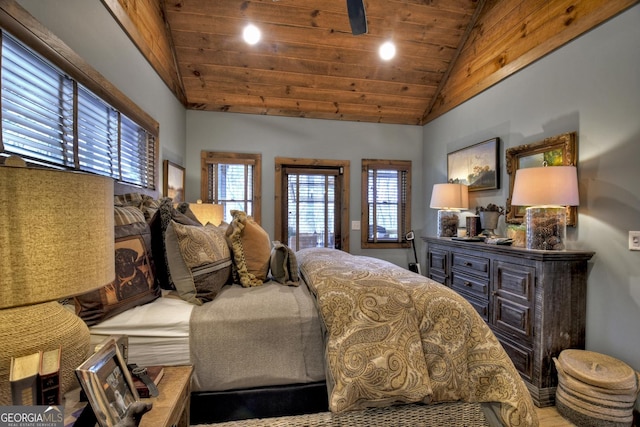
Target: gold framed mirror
560,150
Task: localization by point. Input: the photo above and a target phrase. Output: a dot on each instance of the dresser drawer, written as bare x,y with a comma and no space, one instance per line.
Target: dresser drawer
514,281
481,306
437,265
520,356
470,264
512,318
470,285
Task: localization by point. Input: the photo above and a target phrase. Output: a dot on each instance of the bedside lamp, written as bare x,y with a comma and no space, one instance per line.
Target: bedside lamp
56,241
547,191
207,212
449,199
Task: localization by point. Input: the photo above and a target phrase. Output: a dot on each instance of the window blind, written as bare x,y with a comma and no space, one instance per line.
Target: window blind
51,119
37,107
311,207
231,185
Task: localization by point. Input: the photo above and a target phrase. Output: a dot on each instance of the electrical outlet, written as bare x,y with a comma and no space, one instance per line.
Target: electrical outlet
634,240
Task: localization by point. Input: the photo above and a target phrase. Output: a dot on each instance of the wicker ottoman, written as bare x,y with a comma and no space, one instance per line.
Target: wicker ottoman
595,390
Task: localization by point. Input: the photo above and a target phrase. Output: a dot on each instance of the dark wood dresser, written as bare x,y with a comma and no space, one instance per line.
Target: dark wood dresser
534,301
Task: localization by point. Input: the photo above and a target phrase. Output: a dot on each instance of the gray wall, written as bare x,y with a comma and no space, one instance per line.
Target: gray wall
316,139
591,86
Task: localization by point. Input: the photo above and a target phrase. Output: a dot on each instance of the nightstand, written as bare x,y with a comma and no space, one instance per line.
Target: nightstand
171,408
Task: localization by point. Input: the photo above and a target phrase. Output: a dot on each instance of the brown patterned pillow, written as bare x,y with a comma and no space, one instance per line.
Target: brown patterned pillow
135,282
251,247
159,223
199,260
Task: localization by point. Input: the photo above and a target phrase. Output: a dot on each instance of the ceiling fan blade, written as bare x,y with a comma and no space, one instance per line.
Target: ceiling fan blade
357,17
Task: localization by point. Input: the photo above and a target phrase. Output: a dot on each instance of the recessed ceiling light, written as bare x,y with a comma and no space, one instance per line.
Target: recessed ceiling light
387,51
251,34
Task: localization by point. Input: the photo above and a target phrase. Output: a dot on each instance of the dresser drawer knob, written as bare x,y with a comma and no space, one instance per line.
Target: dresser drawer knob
468,264
468,284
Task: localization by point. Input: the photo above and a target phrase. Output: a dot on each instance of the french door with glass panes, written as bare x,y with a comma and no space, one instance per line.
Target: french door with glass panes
313,204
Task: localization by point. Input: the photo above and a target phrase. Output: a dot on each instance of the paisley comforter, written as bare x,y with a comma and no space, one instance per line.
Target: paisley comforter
393,336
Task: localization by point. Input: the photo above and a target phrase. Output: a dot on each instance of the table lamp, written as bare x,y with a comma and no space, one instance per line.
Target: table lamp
546,191
56,241
449,199
207,212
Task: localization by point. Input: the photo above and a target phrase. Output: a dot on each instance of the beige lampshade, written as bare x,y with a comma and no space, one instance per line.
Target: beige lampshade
56,238
449,196
207,212
546,186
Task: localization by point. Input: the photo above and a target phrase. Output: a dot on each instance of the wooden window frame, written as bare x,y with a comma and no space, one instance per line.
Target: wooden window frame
217,157
280,187
399,165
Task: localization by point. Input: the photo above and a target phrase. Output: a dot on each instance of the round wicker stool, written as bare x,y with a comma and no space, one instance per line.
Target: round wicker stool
595,389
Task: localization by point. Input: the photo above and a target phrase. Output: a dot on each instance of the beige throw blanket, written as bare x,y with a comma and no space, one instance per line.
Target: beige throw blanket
393,336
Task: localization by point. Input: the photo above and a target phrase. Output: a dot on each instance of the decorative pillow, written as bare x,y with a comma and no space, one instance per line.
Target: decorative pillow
147,204
199,260
284,266
135,282
125,215
159,223
251,248
129,199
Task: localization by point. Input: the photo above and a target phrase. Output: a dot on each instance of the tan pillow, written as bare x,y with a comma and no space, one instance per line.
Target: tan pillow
251,249
199,260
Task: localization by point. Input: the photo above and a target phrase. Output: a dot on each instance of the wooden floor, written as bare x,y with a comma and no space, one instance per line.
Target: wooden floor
550,417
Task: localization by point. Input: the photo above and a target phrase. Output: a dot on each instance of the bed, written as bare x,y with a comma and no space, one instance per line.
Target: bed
245,338
338,332
393,336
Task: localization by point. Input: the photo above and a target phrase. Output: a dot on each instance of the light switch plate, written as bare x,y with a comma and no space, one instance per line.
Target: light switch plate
634,240
355,225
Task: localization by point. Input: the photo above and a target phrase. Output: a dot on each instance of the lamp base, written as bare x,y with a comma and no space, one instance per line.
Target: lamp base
448,222
546,227
29,329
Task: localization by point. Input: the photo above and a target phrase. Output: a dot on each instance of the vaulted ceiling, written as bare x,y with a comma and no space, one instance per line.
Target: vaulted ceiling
309,64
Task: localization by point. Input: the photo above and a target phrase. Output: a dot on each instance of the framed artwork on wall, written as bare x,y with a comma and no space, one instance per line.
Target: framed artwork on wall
559,150
475,166
173,181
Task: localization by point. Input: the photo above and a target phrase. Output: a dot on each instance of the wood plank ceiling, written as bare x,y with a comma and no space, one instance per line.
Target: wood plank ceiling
309,64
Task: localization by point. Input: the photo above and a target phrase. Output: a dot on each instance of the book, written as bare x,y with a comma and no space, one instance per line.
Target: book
155,373
23,376
49,377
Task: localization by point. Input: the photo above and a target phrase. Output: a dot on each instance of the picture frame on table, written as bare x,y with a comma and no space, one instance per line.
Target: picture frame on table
173,181
109,387
476,166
